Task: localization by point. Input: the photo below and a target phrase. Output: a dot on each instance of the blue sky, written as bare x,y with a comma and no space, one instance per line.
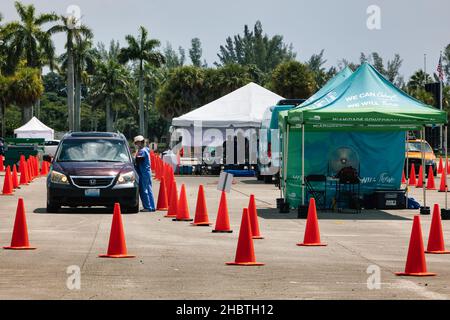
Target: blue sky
410,28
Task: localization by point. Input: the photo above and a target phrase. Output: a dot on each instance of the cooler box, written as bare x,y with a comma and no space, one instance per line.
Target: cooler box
390,199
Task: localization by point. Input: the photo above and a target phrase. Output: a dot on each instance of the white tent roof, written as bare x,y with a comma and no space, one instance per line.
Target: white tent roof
34,129
243,107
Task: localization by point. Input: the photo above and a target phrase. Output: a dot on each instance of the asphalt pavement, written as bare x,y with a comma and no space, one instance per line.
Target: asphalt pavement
175,260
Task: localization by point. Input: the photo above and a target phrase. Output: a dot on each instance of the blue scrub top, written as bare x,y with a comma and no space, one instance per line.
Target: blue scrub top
143,166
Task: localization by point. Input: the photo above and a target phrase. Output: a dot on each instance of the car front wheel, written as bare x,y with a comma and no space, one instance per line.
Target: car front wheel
134,209
53,207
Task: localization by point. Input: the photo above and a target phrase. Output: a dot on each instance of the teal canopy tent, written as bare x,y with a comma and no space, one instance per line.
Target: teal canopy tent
361,115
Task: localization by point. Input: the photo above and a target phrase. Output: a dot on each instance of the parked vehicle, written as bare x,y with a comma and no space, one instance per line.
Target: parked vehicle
268,160
50,147
414,155
92,169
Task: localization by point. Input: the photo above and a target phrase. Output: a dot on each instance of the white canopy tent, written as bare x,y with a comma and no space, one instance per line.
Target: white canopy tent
239,110
34,129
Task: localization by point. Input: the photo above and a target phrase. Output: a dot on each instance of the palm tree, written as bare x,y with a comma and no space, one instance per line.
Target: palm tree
5,95
418,80
74,31
28,40
84,57
110,83
26,88
141,50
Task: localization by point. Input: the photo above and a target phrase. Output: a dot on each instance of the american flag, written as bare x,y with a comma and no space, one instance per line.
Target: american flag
440,70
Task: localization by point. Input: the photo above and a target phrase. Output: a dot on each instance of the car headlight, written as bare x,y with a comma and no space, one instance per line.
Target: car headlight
58,177
128,177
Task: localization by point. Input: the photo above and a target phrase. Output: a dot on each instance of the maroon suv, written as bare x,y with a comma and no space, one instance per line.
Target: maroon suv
93,169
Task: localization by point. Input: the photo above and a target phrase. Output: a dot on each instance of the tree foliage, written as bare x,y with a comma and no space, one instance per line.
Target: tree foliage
255,48
293,80
195,52
173,59
316,65
181,92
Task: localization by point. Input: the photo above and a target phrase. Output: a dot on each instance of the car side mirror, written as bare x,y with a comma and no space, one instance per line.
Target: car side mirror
47,158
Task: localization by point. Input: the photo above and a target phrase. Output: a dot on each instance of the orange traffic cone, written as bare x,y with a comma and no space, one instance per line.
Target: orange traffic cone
443,185
159,170
312,233
36,166
222,221
403,177
169,186
412,176
201,211
245,252
23,173
162,204
44,168
447,166
420,181
117,247
19,239
30,171
156,170
440,166
254,218
2,166
436,238
183,207
15,180
7,183
173,204
430,182
415,262
152,160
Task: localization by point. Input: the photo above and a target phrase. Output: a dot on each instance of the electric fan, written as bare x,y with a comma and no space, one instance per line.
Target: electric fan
343,157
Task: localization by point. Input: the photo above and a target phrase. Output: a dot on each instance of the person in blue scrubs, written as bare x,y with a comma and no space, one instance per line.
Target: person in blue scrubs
143,168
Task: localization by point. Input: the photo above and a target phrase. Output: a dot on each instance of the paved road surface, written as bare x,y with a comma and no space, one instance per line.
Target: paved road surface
177,261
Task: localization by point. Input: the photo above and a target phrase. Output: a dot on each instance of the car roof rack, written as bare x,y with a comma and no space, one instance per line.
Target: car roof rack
93,134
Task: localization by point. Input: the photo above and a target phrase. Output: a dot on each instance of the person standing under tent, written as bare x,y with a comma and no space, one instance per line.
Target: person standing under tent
143,168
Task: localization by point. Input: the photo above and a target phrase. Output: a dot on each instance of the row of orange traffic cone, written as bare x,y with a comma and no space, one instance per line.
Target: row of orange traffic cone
415,262
28,169
178,209
245,255
20,241
419,182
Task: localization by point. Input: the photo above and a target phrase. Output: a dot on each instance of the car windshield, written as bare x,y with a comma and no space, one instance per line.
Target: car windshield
415,147
93,150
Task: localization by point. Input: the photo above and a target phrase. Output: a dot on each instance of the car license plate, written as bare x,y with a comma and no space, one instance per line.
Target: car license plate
92,192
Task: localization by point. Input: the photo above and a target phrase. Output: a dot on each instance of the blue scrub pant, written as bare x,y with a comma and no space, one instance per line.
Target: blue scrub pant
146,191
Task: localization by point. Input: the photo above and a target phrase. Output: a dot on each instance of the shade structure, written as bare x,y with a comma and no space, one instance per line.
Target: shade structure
366,115
366,99
35,129
241,109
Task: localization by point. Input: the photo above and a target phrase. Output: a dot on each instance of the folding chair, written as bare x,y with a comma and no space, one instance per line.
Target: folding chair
316,186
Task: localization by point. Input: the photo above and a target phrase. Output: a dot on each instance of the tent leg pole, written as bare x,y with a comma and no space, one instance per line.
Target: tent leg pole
281,163
407,168
303,164
287,159
422,137
445,167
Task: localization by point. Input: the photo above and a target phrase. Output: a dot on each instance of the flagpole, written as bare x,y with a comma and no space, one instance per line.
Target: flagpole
425,65
440,96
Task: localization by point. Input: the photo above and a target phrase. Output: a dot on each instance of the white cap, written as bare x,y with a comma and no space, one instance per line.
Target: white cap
139,139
